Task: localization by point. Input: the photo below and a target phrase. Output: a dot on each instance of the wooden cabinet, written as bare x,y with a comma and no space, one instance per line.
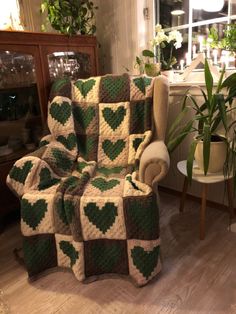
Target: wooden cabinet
29,63
46,49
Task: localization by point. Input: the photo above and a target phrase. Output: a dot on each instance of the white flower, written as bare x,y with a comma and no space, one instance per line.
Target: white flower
158,28
160,37
153,42
177,37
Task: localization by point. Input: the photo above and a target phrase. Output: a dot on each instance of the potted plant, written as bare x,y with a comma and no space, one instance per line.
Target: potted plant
209,146
70,17
162,52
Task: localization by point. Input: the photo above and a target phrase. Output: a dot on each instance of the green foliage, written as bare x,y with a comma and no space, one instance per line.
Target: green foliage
228,42
207,118
70,16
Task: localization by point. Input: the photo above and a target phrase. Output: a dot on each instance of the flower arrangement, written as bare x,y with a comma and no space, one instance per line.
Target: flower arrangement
163,47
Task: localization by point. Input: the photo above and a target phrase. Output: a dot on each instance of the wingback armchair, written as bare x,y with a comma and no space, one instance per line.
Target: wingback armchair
88,201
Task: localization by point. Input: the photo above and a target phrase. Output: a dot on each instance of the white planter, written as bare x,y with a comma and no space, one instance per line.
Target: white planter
153,69
218,152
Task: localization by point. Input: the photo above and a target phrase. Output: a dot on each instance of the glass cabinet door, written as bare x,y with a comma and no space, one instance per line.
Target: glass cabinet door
70,64
20,114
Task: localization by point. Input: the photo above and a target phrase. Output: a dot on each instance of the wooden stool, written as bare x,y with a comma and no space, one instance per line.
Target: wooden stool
210,178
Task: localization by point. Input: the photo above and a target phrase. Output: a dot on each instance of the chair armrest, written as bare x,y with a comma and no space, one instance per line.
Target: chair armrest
154,163
21,174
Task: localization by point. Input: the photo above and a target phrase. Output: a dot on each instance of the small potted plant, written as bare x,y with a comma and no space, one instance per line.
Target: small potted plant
212,149
161,56
70,17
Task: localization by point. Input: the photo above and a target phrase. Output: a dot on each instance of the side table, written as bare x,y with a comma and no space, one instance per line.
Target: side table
210,178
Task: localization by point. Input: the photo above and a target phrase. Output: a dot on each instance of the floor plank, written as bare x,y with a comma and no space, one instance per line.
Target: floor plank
197,276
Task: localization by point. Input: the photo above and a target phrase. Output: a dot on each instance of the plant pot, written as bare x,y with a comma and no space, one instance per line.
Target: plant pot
169,74
218,153
152,69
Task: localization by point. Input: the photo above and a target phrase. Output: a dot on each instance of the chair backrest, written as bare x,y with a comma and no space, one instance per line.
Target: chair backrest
114,116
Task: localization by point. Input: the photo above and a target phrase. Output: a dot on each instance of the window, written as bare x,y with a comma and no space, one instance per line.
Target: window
10,15
194,18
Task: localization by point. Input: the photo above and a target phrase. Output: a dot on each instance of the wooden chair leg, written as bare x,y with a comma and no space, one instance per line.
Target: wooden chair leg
183,196
203,212
230,198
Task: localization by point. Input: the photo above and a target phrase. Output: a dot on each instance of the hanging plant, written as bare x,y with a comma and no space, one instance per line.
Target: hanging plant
70,17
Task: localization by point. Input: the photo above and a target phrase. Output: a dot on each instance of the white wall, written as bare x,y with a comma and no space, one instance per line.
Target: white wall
122,33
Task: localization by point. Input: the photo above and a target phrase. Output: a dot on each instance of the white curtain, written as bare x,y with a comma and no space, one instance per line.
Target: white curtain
10,16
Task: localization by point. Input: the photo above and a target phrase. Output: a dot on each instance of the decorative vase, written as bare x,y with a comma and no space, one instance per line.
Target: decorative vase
218,153
169,74
152,69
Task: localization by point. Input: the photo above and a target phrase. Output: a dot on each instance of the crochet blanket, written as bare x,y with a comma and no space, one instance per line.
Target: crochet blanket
82,205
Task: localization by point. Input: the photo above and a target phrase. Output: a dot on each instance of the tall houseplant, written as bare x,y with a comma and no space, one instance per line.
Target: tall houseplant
70,16
213,112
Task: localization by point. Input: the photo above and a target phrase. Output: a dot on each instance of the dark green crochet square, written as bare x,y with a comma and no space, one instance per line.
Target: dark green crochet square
87,146
114,88
58,160
105,256
61,87
141,217
140,116
39,253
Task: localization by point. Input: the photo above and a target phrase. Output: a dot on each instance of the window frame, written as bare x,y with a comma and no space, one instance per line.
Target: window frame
192,24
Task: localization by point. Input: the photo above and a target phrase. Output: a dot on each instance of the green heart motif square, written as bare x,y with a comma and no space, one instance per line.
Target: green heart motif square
69,250
104,185
60,112
68,141
84,116
20,174
85,86
114,117
103,218
46,179
145,261
113,150
32,215
141,83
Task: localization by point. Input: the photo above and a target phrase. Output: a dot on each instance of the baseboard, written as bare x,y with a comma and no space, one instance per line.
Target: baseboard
195,198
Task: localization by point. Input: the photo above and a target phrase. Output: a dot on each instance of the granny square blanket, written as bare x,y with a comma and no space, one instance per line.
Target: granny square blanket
82,204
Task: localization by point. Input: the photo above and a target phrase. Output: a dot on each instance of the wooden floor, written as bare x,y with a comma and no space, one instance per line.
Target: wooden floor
197,277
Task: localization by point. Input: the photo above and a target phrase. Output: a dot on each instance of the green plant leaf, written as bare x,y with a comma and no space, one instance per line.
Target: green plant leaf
215,123
222,110
138,61
148,53
208,81
206,147
190,160
219,85
177,122
174,142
